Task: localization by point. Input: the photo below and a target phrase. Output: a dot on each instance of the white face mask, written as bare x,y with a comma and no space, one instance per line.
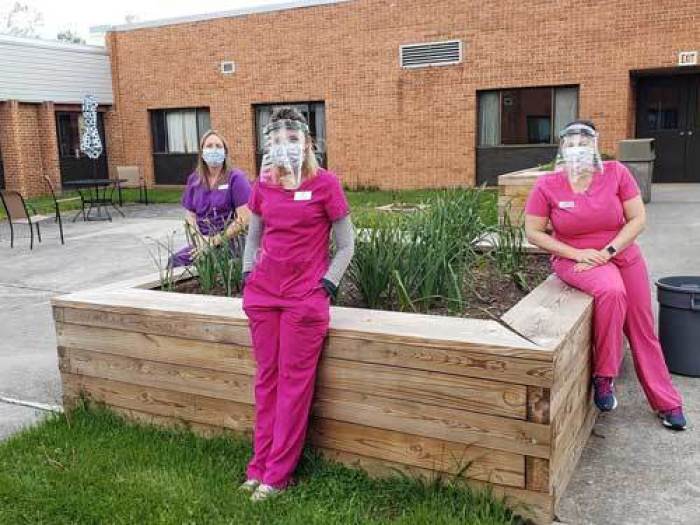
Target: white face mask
581,155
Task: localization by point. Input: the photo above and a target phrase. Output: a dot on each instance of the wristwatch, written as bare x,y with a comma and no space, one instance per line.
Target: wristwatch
611,250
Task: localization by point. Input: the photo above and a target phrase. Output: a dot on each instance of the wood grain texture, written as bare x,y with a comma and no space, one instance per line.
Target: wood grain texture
536,506
431,388
201,381
537,474
160,348
549,313
450,424
538,404
390,327
157,401
475,462
478,362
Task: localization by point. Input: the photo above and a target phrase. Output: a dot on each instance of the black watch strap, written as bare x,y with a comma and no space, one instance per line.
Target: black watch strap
611,249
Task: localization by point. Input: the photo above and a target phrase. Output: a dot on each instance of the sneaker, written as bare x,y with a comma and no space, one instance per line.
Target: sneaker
250,485
264,492
674,419
604,394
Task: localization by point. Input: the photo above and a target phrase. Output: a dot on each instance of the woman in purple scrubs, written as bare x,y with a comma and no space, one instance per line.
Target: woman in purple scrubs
216,200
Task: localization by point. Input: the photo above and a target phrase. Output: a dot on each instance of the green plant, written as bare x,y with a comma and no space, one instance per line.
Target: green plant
378,247
216,264
161,260
418,261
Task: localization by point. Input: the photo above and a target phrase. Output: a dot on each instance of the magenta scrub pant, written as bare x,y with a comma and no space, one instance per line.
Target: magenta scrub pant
288,336
622,303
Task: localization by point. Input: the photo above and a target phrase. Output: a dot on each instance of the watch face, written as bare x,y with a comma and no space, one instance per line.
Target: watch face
611,250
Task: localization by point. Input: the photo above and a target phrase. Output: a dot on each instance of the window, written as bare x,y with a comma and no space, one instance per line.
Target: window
178,130
315,114
525,115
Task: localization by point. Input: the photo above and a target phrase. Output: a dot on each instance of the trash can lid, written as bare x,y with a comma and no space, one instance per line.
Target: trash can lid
683,284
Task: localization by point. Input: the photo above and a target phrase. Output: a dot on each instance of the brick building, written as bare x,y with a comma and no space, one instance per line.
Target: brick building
411,93
41,89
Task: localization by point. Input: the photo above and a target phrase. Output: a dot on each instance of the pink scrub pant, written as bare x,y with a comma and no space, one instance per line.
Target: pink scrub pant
288,336
622,302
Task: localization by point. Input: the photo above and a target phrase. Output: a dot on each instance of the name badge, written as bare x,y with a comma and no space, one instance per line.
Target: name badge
566,204
223,186
302,195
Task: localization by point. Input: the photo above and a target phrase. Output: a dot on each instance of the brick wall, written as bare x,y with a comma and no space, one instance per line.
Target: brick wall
389,127
29,149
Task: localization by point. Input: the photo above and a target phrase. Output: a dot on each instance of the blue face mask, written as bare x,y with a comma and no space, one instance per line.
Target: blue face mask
214,157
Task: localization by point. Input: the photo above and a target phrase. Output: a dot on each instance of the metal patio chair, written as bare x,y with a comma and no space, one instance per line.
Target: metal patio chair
132,177
18,213
59,199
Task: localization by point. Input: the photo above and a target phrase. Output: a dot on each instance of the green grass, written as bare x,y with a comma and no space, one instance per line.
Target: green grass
360,200
93,468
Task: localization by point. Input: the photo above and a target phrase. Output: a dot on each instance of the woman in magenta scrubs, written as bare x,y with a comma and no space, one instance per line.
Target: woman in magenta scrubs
596,213
289,279
216,200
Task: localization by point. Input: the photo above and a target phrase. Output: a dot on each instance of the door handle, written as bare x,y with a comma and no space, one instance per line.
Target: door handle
690,132
682,133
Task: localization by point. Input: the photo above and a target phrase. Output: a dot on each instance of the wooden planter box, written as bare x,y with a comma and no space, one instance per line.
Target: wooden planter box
513,190
425,394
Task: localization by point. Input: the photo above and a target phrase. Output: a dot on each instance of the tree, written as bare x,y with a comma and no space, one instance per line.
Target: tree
21,20
69,36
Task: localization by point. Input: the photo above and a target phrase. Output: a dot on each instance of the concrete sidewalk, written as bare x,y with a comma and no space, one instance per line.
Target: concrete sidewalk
633,471
95,253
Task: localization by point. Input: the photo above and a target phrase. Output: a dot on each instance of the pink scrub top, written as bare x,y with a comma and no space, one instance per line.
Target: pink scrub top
294,252
584,220
215,207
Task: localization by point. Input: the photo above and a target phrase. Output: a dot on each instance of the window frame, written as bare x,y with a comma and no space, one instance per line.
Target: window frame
312,107
500,91
161,115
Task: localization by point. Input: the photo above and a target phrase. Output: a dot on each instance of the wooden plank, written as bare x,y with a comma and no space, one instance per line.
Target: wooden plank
578,370
573,454
538,404
537,474
567,426
205,382
536,506
474,462
549,313
186,407
473,363
432,388
153,323
449,424
386,326
161,348
456,361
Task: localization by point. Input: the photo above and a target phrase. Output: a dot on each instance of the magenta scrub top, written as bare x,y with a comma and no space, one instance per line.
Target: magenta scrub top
215,207
294,253
584,220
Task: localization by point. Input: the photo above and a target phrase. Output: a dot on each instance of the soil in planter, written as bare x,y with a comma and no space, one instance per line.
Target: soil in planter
488,293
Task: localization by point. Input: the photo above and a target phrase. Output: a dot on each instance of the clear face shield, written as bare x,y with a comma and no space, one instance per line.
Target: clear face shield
283,153
578,154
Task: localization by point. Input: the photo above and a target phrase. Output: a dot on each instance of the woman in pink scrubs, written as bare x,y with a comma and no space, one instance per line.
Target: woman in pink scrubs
289,280
216,200
596,213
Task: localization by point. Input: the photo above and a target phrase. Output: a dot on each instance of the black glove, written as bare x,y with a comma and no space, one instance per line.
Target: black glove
244,278
330,288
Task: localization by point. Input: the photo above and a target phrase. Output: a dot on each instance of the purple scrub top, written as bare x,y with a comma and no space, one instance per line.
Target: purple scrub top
216,207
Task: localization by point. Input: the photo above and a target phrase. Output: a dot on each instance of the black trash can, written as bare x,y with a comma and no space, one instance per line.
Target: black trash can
679,323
